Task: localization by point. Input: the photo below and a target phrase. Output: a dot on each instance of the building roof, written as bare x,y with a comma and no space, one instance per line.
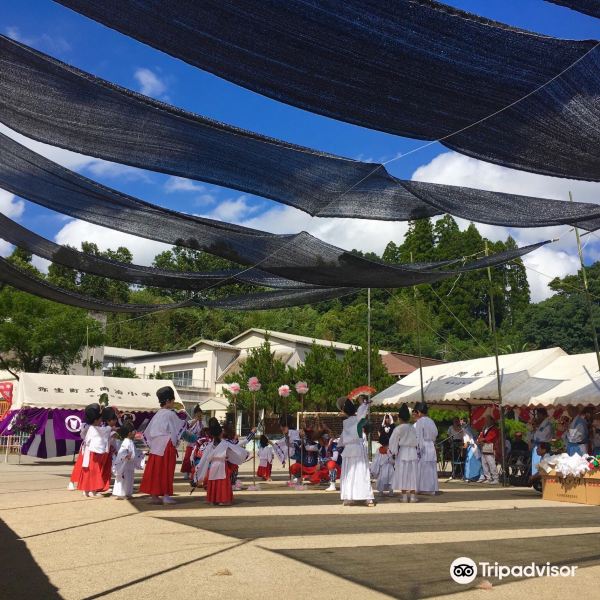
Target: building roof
124,352
290,337
213,344
400,364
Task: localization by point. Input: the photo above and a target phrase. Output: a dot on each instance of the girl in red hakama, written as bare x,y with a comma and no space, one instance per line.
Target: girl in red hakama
217,460
93,478
194,428
265,458
162,436
76,472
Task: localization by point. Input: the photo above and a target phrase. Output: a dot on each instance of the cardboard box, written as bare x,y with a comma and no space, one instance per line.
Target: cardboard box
592,490
563,490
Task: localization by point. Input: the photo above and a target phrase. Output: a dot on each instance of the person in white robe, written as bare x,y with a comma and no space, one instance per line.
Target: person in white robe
355,481
162,436
426,432
382,467
124,463
216,461
403,445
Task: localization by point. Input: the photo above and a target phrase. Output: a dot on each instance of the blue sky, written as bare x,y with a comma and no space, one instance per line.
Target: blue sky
74,39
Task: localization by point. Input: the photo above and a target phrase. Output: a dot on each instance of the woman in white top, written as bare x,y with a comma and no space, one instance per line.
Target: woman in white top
403,445
355,481
94,478
162,436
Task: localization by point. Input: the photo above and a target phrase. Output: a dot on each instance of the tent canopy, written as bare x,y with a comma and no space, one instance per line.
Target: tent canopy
468,382
42,390
568,380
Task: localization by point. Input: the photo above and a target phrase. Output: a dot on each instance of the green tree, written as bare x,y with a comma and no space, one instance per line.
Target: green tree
121,371
271,372
37,335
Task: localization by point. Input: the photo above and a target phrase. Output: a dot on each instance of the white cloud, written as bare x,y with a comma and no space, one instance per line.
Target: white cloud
150,84
181,184
10,205
54,45
143,250
5,248
555,260
233,209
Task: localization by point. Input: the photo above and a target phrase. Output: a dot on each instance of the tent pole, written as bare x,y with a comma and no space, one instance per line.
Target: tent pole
498,377
369,363
586,289
418,336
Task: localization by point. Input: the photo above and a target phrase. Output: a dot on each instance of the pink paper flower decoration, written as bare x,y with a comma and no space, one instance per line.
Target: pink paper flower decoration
234,388
302,387
284,391
254,384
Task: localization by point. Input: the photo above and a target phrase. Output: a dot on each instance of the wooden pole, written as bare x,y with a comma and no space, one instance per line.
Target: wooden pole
498,376
303,427
369,363
586,291
415,295
254,440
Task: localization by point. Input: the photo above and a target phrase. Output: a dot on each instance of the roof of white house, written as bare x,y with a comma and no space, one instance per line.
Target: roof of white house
213,344
290,337
124,352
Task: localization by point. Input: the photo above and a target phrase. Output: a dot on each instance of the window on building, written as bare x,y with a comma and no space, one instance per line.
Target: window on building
180,378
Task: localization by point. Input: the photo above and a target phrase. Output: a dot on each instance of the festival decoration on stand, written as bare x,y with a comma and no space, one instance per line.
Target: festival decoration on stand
284,392
234,390
302,390
254,386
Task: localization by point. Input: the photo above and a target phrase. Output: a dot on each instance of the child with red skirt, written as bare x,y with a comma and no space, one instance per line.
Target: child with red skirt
216,463
93,479
265,458
76,472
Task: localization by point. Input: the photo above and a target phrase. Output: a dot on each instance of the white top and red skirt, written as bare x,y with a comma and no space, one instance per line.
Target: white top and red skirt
216,462
96,461
161,436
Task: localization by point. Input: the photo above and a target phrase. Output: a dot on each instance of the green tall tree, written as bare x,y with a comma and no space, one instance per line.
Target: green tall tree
37,335
271,372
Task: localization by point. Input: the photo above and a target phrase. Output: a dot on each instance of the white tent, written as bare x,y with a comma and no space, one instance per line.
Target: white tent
468,382
42,390
567,380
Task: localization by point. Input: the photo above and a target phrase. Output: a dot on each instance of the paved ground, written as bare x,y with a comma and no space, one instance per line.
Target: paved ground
282,543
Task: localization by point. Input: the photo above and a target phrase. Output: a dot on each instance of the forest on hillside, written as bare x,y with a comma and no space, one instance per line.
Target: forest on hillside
449,320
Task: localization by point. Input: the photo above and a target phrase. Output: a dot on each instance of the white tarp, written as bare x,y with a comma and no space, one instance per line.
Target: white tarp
567,380
42,390
471,381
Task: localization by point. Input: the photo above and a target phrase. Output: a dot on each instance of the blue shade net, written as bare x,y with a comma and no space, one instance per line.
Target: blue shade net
21,280
588,7
299,257
54,103
414,68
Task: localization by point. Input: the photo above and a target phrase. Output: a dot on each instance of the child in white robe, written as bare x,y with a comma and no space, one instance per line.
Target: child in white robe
403,445
216,461
265,458
426,432
124,463
355,481
382,467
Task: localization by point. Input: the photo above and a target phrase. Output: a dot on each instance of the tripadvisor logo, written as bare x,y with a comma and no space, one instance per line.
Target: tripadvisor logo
464,570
